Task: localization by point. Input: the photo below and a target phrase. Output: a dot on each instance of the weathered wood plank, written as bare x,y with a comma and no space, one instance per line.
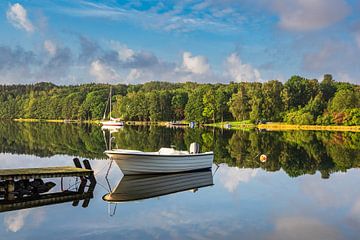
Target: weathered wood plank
48,172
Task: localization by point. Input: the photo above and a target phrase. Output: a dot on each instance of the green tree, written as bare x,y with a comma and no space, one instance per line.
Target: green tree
298,91
239,104
328,87
195,106
178,103
209,101
272,102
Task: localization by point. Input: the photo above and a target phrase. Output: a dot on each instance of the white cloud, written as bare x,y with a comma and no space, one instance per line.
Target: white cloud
15,221
124,53
307,15
355,211
134,75
240,72
17,16
195,64
296,228
168,16
231,177
354,214
102,72
336,57
357,39
50,47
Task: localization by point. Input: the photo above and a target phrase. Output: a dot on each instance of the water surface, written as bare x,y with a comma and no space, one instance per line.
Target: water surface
307,189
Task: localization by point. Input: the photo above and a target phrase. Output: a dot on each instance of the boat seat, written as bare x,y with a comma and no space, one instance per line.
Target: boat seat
171,151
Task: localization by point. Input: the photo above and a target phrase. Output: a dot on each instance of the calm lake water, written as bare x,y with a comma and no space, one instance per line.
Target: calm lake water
307,189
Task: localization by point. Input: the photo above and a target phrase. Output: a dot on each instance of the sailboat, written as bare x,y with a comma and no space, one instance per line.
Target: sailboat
112,122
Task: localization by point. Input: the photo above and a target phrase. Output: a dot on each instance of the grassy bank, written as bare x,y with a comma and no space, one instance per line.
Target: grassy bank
290,127
284,127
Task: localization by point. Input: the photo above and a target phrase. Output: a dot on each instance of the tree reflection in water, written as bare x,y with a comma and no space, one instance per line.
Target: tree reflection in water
296,152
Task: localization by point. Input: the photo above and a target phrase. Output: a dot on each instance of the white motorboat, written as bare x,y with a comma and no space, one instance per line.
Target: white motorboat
112,122
138,187
166,160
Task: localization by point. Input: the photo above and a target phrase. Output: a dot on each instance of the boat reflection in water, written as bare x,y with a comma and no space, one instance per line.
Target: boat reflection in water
138,187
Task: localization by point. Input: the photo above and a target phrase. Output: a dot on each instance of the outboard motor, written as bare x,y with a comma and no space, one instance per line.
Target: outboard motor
194,148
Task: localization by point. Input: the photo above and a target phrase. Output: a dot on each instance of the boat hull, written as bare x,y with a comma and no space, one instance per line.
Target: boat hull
132,188
147,164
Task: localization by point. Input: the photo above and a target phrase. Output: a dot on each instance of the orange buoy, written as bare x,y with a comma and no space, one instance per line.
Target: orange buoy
263,158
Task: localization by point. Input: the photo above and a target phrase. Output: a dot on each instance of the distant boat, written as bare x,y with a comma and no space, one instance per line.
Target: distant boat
166,160
132,188
112,122
177,123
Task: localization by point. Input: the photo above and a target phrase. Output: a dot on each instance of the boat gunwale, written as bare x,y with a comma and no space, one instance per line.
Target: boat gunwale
155,154
155,196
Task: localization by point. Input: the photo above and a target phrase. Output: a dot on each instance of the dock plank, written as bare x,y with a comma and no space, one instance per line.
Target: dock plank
48,172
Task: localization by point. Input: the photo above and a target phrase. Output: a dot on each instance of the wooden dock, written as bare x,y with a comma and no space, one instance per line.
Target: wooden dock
24,188
48,172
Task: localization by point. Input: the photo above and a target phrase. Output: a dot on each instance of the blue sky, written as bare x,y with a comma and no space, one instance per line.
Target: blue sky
71,42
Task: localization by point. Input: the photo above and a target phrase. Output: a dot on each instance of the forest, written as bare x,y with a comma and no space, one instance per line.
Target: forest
297,101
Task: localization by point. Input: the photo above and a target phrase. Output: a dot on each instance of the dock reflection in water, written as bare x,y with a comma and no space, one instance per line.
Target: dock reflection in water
138,187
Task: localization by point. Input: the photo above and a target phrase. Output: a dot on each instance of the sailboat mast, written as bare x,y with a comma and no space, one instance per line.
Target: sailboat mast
110,102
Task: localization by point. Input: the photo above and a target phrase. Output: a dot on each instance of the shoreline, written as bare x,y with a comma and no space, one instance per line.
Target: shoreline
278,126
234,125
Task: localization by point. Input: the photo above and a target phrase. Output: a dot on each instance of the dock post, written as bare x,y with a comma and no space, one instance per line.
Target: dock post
77,163
10,188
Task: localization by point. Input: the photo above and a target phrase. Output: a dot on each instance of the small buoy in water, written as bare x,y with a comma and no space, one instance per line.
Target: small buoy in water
263,158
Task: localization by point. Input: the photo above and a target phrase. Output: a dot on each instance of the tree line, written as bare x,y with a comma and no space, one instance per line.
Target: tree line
298,101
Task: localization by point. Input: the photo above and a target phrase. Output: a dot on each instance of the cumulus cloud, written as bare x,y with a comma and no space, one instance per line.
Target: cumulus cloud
195,64
56,69
305,15
231,177
17,16
134,75
102,72
239,71
15,57
334,57
50,47
15,221
298,228
124,53
357,39
88,49
128,58
354,214
15,63
142,59
114,62
22,66
356,33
